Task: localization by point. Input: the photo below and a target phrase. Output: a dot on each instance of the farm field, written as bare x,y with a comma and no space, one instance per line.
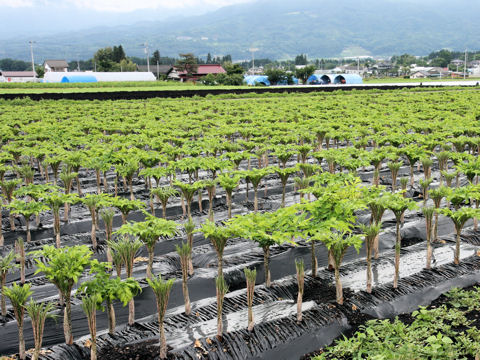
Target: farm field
40,88
348,206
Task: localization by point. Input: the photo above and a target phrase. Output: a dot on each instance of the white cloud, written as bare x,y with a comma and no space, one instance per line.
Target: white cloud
124,5
16,3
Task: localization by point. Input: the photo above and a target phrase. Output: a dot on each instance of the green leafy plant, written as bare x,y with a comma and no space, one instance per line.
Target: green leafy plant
184,254
149,232
39,313
126,249
18,296
161,289
63,267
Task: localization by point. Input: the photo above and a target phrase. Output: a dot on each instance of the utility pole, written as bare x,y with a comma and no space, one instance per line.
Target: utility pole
158,71
252,50
358,65
465,66
31,54
148,56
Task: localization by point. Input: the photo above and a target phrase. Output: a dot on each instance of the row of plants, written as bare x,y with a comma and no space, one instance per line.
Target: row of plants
330,220
447,331
191,147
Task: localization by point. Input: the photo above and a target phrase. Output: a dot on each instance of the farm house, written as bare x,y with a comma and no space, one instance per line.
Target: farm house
56,77
17,76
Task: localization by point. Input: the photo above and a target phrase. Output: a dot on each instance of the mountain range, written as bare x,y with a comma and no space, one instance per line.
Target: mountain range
279,29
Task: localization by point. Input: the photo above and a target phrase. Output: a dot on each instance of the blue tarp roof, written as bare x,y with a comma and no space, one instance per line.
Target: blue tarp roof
316,79
349,79
257,79
78,79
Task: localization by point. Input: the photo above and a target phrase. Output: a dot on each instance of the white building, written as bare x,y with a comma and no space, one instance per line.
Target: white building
18,76
55,66
56,77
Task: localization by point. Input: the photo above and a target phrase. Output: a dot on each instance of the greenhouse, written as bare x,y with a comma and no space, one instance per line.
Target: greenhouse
88,76
254,80
78,79
348,79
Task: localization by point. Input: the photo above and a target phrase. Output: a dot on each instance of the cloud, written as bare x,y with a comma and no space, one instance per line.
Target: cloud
124,5
16,3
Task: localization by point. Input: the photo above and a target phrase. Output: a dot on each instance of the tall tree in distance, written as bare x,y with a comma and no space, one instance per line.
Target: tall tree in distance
304,73
118,54
188,64
156,57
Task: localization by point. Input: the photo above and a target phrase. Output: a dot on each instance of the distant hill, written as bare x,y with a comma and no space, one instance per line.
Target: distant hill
283,29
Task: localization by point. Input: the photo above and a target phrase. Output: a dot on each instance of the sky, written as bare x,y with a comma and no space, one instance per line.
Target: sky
122,6
45,17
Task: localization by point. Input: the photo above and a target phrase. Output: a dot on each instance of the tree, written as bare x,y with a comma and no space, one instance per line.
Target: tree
398,205
222,290
107,290
127,250
210,185
89,306
300,266
304,73
20,248
27,209
55,200
268,229
63,267
187,64
184,252
164,193
8,187
18,296
284,174
93,202
275,75
459,217
338,243
254,177
125,206
188,191
189,227
437,195
67,179
301,59
229,183
338,197
233,69
218,236
107,216
428,214
156,57
39,312
6,263
161,289
128,170
149,231
118,54
394,167
371,233
250,277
